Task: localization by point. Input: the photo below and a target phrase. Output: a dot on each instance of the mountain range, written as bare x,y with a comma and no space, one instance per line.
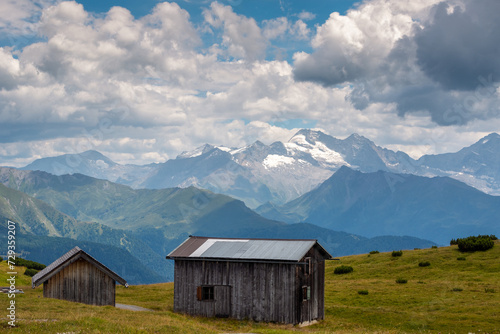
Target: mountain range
281,172
351,195
149,223
380,203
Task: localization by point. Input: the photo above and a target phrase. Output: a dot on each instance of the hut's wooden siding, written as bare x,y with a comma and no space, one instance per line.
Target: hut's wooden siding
258,291
81,282
314,278
261,291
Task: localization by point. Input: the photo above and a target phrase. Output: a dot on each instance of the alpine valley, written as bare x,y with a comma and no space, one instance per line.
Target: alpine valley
351,195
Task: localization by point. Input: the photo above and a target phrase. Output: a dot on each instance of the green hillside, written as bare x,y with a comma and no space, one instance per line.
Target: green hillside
448,296
39,225
171,211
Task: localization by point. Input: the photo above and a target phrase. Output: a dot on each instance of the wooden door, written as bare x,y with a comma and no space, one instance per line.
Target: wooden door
222,301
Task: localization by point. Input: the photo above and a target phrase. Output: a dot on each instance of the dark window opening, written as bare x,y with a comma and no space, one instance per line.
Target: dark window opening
306,293
205,293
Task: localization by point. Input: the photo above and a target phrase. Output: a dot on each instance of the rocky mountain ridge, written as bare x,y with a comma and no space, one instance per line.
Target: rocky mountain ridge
281,172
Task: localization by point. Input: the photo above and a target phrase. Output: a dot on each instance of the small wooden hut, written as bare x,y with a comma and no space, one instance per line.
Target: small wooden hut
78,277
272,280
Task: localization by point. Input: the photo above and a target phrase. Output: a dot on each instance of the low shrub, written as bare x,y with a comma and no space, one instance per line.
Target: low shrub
397,253
374,252
472,244
461,258
401,281
424,264
20,262
30,272
363,292
434,246
457,289
343,270
489,290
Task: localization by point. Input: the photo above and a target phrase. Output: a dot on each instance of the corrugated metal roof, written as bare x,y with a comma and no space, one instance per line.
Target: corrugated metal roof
65,260
245,249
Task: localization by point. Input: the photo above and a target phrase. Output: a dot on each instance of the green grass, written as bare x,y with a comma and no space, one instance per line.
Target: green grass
448,297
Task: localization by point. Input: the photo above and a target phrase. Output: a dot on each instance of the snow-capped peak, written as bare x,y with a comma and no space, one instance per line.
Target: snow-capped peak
225,149
320,152
196,152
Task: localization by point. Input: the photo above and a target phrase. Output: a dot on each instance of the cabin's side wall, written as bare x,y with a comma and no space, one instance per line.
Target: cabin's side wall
81,282
243,290
312,304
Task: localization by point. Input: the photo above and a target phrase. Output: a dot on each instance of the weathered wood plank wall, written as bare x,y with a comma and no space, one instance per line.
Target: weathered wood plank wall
314,278
81,282
258,291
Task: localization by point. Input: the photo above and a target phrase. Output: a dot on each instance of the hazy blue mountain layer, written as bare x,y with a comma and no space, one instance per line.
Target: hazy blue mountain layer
382,203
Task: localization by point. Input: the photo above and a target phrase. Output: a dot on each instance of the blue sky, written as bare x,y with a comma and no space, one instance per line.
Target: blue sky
258,9
143,81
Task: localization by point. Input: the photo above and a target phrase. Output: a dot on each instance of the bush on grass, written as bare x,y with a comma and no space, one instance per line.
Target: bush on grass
343,270
20,262
397,253
30,272
424,264
477,243
472,243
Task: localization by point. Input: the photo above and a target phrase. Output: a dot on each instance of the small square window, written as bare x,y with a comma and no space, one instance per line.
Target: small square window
205,293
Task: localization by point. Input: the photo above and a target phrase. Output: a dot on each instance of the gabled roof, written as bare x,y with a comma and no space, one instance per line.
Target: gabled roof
67,259
245,249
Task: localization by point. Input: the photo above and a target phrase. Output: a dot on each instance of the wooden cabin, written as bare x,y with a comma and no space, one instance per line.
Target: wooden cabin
270,280
78,277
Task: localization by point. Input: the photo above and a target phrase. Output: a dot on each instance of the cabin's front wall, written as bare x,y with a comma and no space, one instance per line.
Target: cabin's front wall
242,290
311,287
81,282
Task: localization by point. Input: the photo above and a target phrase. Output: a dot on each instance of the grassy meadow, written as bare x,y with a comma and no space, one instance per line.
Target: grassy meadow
447,296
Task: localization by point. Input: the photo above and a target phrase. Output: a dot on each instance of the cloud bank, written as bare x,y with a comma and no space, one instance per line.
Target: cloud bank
145,89
441,58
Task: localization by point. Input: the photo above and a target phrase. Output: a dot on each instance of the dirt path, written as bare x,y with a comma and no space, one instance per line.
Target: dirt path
132,307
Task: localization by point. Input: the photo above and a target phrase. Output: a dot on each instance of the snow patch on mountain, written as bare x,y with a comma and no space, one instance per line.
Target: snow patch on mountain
238,150
101,164
318,151
225,149
191,154
274,160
